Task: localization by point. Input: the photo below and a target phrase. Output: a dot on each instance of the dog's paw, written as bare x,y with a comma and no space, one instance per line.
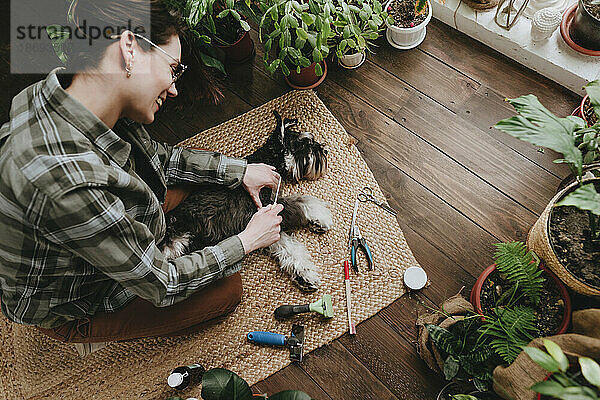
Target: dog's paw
308,281
318,215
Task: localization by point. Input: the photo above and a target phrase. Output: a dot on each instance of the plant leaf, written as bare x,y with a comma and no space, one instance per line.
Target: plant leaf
593,91
535,124
444,339
514,260
451,367
290,395
548,388
463,397
590,370
555,351
543,359
584,198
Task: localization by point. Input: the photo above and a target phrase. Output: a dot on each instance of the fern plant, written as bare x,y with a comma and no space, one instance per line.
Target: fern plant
521,268
510,330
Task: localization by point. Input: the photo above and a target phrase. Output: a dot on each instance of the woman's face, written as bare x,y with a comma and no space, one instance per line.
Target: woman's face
155,82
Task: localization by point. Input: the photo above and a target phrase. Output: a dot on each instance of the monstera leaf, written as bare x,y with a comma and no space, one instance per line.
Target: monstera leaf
535,124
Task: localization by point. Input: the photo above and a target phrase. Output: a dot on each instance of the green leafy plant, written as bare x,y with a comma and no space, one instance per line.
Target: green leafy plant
521,268
568,136
295,35
510,329
562,384
214,23
356,24
420,7
222,384
466,352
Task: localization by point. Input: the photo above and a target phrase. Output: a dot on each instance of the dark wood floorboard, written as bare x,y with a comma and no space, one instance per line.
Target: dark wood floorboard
423,122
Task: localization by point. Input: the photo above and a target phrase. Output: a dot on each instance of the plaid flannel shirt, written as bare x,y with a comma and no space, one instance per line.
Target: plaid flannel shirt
80,226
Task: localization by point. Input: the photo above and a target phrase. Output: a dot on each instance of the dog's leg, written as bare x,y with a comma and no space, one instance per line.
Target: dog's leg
295,260
300,211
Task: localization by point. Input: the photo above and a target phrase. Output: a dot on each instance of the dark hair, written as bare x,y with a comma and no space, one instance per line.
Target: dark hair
198,83
106,17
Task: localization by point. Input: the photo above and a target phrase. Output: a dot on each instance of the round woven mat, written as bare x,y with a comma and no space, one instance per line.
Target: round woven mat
34,366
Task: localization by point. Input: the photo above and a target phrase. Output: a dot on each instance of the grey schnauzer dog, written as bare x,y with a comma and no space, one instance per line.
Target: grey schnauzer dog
213,213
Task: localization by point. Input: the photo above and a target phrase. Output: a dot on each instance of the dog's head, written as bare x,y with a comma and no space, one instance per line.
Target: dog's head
305,158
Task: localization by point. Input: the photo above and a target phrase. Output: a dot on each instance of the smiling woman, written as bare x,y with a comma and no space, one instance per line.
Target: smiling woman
83,187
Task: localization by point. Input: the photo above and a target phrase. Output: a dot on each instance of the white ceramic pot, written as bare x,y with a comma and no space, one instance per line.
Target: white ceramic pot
407,38
351,61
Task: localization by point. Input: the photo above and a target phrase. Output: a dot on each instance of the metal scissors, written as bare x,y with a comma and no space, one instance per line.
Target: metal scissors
366,194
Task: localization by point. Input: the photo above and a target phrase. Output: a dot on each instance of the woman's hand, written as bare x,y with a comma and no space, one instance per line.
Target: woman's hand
258,176
263,228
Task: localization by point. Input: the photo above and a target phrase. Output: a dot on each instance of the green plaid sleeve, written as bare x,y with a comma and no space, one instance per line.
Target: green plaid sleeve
183,165
92,223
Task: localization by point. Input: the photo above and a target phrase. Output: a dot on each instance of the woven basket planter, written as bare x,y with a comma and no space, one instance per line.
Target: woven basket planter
538,240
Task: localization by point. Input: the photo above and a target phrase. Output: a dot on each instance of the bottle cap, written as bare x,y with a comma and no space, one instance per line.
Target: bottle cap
415,278
175,379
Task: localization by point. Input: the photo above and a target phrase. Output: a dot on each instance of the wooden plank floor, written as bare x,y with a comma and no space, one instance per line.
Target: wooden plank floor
422,120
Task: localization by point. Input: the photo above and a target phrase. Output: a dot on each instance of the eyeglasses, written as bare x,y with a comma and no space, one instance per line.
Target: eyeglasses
176,71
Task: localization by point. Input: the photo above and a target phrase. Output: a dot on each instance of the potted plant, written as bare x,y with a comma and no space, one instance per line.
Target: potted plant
356,24
584,27
296,38
222,384
566,382
218,26
410,19
567,234
518,279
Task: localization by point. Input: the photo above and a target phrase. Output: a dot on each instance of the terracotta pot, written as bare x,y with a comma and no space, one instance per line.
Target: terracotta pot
307,78
538,240
407,38
565,28
240,51
475,298
585,29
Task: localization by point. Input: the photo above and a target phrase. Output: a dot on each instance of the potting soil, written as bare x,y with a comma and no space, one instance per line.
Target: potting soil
403,12
549,311
570,236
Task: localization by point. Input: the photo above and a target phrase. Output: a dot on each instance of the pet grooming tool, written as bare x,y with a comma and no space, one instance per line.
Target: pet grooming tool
295,342
357,240
324,306
277,192
351,327
367,195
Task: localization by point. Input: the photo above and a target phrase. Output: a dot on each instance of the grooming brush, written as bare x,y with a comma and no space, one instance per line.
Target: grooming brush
323,306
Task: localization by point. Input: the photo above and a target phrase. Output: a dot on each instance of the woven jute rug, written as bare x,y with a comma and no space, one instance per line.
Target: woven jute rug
35,367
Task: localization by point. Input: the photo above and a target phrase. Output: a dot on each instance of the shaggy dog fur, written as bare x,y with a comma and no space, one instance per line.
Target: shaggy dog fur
213,213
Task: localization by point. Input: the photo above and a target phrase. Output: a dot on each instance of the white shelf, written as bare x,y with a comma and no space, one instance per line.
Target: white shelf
552,58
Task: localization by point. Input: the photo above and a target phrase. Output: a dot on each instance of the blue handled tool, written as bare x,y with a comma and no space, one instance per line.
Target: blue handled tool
356,241
295,342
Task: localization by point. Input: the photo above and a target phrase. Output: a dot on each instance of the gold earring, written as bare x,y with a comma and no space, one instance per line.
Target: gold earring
128,69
